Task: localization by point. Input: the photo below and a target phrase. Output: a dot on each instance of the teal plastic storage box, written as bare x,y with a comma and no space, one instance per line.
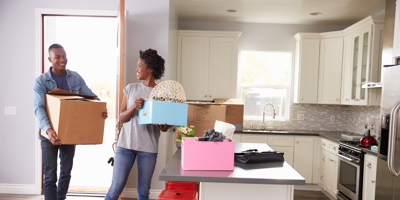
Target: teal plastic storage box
161,112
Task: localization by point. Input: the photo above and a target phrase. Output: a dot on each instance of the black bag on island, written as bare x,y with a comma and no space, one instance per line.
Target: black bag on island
253,156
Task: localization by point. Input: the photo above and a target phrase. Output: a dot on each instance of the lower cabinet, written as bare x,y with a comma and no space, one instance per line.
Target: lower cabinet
298,151
328,167
370,166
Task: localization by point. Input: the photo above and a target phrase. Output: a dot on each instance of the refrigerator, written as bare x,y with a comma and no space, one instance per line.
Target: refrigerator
388,167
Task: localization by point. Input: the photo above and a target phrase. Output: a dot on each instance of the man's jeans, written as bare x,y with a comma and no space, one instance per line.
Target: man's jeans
49,161
123,162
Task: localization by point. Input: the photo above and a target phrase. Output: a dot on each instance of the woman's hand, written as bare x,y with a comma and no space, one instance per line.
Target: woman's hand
138,103
163,128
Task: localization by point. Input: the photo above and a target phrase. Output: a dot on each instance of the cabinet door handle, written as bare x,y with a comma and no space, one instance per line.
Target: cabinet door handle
373,181
210,95
301,98
334,148
322,178
337,99
331,159
347,99
323,158
205,95
323,144
369,165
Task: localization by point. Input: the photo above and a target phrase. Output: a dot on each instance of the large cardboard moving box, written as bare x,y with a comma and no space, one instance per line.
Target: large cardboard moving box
75,118
204,115
234,111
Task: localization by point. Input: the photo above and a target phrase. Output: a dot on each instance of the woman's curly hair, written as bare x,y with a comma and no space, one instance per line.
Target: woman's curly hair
153,62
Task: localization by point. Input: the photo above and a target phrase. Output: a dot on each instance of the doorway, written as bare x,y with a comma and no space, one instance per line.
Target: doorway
91,47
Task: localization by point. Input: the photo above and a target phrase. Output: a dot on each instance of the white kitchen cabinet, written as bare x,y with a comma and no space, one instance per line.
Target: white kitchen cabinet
330,71
328,168
370,166
208,64
361,61
303,157
396,38
254,138
237,138
288,153
306,68
331,176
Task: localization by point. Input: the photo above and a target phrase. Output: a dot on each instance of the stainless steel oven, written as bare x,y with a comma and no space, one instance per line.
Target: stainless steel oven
350,172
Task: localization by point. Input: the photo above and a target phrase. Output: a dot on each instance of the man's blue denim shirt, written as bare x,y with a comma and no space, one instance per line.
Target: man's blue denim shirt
45,83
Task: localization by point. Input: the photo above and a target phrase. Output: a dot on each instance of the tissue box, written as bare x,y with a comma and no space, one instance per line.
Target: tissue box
205,155
161,112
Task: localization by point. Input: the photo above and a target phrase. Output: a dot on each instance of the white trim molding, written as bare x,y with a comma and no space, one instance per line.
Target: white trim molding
17,189
37,188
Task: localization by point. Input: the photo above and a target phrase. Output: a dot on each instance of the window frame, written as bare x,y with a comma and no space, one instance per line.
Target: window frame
288,88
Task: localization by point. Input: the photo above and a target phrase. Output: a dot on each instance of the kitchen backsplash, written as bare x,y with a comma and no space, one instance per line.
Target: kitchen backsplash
318,118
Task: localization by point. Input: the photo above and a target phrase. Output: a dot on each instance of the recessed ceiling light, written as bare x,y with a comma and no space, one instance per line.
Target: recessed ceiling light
231,10
316,13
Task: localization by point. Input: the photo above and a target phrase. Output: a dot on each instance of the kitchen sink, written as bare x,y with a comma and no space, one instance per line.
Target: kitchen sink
262,131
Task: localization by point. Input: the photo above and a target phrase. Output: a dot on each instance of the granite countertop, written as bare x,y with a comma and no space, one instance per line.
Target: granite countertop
331,135
261,173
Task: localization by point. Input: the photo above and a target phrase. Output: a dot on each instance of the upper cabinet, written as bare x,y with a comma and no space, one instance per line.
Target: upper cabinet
347,59
306,68
208,64
362,61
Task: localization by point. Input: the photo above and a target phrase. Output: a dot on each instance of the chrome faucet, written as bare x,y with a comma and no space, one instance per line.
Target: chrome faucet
273,113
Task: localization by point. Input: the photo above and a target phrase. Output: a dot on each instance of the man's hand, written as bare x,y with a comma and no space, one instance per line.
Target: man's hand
53,137
104,114
163,128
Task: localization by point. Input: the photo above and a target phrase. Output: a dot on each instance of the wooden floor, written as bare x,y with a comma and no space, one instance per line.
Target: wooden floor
298,195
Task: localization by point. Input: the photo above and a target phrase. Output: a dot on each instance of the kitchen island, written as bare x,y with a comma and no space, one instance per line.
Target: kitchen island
247,181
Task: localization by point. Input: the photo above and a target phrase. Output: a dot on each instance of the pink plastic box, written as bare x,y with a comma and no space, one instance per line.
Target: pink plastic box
203,155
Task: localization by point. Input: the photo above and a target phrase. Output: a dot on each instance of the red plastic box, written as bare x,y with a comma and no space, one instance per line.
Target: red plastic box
178,195
182,186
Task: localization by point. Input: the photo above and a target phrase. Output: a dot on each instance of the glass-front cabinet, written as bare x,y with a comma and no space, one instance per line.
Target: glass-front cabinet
361,63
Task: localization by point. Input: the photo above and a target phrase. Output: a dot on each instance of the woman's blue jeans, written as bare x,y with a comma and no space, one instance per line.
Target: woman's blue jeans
49,162
123,163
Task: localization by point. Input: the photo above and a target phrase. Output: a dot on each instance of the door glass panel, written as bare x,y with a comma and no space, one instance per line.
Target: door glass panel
355,65
348,176
364,63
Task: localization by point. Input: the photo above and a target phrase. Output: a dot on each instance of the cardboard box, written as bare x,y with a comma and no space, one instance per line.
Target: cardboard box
161,112
234,111
206,155
204,115
75,119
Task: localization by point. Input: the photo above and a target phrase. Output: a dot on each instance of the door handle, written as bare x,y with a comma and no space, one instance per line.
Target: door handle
392,139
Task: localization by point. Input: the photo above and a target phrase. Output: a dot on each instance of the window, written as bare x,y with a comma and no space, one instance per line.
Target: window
265,78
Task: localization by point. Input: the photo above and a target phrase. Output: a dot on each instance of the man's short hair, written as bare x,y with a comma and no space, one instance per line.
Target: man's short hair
55,46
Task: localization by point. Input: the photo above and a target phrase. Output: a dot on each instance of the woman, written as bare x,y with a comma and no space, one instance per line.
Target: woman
136,141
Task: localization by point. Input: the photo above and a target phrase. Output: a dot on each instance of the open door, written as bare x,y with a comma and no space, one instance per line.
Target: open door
120,66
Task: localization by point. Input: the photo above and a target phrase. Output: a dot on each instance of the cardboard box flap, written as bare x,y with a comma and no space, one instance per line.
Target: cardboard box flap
58,91
229,101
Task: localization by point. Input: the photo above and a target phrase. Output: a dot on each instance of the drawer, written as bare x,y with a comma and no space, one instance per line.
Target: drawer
283,141
254,138
330,146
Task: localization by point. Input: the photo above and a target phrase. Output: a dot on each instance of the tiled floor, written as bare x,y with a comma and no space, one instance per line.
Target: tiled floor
298,195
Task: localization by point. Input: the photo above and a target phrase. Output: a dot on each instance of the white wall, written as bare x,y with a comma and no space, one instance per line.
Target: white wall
147,27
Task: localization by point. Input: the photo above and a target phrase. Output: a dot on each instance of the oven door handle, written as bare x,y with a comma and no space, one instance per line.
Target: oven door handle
392,139
349,159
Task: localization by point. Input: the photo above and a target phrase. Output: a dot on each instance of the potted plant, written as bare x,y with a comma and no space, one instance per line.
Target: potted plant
184,131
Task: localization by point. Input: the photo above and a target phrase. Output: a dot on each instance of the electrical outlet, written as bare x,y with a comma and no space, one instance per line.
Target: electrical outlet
333,118
300,117
10,110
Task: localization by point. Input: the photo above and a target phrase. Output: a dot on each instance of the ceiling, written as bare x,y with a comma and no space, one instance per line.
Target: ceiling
334,12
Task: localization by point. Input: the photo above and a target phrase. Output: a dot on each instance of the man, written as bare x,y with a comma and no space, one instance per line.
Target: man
62,78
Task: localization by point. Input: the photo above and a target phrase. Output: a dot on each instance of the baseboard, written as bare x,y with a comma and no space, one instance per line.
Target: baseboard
18,189
307,187
132,193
